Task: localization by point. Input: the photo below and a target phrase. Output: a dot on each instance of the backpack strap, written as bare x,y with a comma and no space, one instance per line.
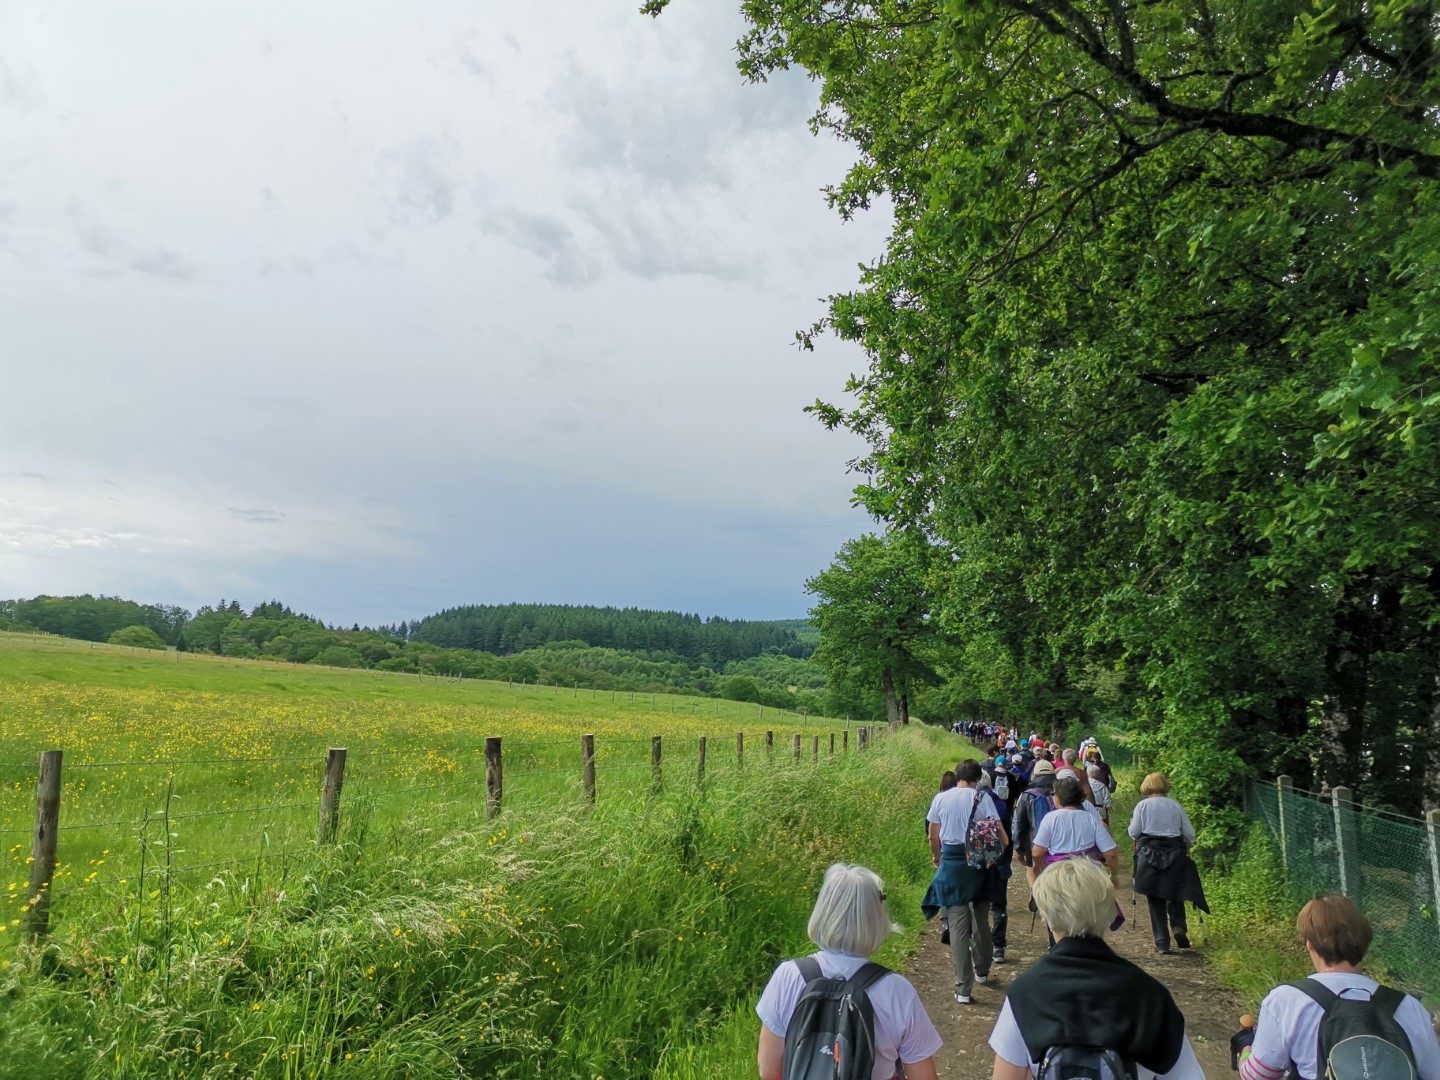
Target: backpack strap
867,976
809,969
1318,992
1388,998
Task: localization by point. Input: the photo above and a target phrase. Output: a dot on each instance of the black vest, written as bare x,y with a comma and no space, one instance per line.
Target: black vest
1081,994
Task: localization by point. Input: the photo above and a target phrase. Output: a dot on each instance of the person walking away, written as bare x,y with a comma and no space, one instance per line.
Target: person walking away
1071,831
959,890
1081,990
1099,794
1093,756
849,923
1034,803
1296,1018
1003,792
1164,872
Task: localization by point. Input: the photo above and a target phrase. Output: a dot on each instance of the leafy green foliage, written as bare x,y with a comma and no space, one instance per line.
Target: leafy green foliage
140,637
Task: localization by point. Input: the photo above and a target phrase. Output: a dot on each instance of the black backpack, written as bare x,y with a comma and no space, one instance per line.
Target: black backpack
1360,1040
831,1035
1085,1063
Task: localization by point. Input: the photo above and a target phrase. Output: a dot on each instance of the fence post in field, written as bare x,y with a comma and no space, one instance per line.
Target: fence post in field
655,762
815,749
42,850
832,744
864,739
769,745
739,750
1284,786
845,741
700,762
795,748
330,786
587,765
1345,842
494,776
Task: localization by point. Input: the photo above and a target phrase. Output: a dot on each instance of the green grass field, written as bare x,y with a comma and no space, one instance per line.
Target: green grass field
198,929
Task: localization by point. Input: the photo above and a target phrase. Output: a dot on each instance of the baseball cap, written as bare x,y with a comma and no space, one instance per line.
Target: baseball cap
1044,768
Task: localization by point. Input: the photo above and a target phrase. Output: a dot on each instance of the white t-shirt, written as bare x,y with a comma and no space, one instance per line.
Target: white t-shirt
1288,1027
903,1031
1066,831
951,810
1009,1045
1159,815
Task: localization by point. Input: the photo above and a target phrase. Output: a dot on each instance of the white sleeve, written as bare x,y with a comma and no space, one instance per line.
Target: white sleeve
1186,829
985,807
1186,1067
1007,1042
1137,827
933,814
1042,834
1416,1021
919,1040
1103,840
777,1003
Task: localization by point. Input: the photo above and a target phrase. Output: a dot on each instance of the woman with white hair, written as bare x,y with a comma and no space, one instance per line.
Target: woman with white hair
1082,995
849,923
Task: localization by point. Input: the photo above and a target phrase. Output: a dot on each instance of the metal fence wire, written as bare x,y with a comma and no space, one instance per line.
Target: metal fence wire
1387,864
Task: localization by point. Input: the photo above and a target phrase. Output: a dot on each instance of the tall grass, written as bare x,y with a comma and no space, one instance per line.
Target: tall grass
626,940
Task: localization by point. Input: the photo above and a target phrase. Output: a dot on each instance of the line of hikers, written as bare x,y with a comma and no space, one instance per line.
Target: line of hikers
1080,1010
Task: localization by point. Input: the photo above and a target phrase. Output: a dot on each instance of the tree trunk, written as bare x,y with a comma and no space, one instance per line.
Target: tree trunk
1342,715
892,704
905,708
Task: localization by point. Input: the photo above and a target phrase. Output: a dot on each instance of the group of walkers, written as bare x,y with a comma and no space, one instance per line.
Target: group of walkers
1081,1010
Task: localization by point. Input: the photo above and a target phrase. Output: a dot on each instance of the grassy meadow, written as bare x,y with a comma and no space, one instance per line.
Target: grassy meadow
199,931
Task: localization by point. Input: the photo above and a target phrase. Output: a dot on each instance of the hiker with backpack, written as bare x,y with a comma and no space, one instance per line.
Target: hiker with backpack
834,1015
1081,1010
1034,803
1165,874
1069,832
1338,1022
967,840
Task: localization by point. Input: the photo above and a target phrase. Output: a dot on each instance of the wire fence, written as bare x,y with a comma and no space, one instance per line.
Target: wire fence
1388,864
122,829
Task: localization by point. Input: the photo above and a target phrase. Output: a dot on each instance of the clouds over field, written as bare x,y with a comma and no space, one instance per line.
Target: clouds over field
399,310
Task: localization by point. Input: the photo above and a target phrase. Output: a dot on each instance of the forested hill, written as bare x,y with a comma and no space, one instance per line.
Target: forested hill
505,629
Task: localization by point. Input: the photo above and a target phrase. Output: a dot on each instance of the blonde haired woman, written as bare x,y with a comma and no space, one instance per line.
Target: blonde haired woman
1164,872
849,923
1080,985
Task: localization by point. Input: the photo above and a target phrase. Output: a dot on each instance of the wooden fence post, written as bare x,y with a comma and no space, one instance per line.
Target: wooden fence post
845,742
832,744
1345,840
1284,785
864,737
330,786
769,745
795,748
43,849
1432,826
700,761
815,750
655,763
494,776
587,765
739,750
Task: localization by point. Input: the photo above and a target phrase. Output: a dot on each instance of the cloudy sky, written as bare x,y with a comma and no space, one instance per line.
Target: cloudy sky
380,308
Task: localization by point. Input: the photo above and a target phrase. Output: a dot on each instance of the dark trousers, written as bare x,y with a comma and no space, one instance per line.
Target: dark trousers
999,894
1164,915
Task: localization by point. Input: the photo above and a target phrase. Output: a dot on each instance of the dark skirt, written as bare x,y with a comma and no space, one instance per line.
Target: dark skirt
1165,871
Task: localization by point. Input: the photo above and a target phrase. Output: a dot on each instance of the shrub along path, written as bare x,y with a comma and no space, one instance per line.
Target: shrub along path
1212,1010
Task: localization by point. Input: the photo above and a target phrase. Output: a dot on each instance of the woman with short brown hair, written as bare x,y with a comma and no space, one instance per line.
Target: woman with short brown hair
1337,936
1164,872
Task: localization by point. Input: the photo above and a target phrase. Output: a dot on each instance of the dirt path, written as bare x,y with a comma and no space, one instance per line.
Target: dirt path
1211,1009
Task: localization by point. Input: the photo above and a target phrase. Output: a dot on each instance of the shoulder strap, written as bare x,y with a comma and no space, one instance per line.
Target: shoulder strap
867,976
1316,991
1388,998
809,969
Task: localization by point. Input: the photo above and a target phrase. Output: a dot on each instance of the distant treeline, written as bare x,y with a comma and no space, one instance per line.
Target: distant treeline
762,662
506,629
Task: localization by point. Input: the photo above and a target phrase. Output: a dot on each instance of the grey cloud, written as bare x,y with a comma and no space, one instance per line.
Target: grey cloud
424,186
547,237
650,244
118,250
257,515
19,88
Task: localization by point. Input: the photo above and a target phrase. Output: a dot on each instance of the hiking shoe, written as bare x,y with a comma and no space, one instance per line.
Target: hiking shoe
982,979
1163,950
962,999
1182,940
997,956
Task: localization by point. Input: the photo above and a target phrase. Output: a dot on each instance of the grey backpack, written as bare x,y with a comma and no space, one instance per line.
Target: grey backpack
1085,1063
1361,1039
831,1035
